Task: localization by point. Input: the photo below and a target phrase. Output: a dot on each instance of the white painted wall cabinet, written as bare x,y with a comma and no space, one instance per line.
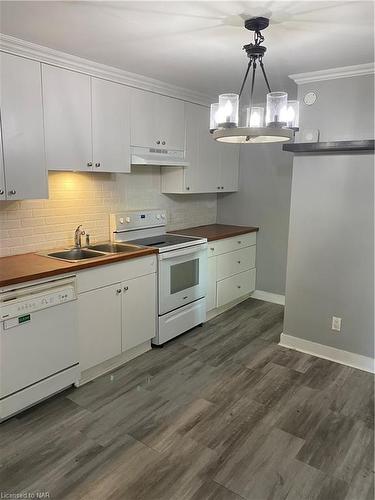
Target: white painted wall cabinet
231,270
60,119
213,166
157,121
110,126
24,170
67,119
87,124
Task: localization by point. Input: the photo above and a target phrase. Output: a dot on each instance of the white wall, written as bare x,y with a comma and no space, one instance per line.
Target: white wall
330,269
263,200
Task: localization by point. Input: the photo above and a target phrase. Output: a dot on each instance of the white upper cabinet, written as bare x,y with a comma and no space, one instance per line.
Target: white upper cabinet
22,129
170,122
110,126
229,166
67,119
157,121
213,166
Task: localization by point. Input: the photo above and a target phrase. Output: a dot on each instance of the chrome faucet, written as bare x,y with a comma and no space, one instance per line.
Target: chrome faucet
77,236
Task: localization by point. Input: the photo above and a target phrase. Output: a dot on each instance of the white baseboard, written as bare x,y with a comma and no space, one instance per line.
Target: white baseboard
275,298
326,352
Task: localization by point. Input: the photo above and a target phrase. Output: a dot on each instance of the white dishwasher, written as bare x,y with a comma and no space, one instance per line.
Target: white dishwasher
38,342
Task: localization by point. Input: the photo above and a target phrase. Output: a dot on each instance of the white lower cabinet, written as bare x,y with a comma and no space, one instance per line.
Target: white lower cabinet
99,313
231,270
138,311
235,287
115,314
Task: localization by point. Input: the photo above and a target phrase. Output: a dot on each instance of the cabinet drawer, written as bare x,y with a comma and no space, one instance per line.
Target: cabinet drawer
97,277
235,287
229,244
235,262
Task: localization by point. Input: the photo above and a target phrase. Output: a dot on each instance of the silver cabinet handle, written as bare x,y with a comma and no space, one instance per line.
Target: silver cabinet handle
126,288
118,291
97,165
89,163
163,142
1,191
157,142
12,191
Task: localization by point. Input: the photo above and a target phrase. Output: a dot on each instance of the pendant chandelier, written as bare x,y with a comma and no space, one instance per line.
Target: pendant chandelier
281,118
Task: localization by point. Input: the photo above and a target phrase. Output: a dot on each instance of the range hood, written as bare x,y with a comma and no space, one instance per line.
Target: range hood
157,157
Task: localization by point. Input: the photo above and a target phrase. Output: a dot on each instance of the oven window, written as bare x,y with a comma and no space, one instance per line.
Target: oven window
184,275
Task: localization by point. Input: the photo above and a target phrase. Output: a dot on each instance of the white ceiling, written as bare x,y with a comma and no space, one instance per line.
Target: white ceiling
197,44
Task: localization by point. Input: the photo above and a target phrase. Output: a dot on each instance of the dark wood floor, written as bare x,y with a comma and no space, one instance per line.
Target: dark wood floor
221,413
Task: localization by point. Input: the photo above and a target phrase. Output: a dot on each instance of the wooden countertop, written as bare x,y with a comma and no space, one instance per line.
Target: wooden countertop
31,266
216,231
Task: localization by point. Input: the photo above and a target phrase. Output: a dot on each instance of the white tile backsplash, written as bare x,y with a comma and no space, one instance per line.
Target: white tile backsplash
88,199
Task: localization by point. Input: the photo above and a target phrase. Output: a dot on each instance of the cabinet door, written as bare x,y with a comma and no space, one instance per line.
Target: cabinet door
202,176
22,128
99,325
110,126
142,112
170,122
229,166
2,178
67,119
211,284
138,311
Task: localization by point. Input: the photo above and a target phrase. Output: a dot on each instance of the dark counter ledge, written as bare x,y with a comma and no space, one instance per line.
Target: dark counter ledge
331,147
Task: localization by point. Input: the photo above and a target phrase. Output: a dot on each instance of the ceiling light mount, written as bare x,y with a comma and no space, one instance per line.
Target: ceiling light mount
281,114
257,23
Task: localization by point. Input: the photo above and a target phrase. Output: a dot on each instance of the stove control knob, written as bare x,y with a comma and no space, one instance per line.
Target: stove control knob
158,216
163,216
121,220
127,219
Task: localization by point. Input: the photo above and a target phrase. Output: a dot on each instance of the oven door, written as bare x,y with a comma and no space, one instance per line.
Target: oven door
182,277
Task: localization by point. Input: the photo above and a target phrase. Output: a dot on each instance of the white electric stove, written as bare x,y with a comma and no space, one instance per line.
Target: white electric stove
182,269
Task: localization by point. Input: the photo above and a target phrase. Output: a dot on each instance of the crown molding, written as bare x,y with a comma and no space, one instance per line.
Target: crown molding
54,57
333,73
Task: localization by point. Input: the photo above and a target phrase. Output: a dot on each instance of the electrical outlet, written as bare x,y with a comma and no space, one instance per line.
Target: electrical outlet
336,324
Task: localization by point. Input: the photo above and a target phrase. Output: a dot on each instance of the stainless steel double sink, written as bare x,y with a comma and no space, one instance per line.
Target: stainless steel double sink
91,252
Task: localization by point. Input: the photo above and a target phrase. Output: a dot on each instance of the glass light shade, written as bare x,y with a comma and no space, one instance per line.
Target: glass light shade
255,116
277,105
292,114
227,115
214,108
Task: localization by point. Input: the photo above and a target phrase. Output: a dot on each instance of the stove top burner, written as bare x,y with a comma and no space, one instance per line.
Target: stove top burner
161,241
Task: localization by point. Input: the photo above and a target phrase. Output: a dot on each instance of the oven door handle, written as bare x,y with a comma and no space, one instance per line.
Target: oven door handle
184,251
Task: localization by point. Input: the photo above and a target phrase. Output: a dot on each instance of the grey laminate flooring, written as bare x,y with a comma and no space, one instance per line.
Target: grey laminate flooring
221,413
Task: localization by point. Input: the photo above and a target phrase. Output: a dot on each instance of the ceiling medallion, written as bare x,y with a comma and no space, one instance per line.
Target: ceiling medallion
281,120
